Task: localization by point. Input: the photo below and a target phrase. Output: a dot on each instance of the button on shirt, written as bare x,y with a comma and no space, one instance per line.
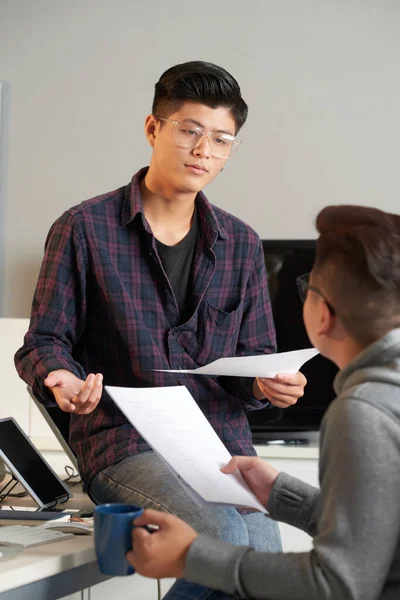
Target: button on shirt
103,304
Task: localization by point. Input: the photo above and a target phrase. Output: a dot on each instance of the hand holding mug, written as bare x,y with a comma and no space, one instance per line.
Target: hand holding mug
113,536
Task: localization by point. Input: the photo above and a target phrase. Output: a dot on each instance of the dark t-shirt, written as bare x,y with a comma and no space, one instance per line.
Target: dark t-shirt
177,262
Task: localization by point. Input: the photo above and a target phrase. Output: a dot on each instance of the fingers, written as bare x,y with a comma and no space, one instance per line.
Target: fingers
280,395
281,403
162,553
283,390
130,557
90,394
144,556
243,463
296,379
72,394
279,388
84,395
231,466
154,517
64,403
283,400
140,534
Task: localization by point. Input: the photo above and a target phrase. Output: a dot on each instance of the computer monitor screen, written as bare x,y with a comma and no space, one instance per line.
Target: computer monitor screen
29,467
284,261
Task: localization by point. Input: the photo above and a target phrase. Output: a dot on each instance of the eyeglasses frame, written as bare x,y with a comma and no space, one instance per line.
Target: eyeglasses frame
302,281
235,142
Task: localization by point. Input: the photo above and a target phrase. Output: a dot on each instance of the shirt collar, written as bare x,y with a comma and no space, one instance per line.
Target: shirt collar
132,206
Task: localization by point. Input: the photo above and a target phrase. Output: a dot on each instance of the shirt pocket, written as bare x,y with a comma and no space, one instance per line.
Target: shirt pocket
218,333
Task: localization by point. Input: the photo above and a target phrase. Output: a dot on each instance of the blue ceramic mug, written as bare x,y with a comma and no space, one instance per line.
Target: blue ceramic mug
113,536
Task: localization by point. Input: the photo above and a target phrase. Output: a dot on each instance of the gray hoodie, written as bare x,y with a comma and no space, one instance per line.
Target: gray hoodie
355,516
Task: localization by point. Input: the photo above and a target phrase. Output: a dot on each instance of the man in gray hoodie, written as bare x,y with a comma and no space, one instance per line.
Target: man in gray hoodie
352,315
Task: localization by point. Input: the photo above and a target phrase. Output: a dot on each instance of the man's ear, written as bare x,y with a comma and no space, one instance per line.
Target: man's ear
326,320
150,126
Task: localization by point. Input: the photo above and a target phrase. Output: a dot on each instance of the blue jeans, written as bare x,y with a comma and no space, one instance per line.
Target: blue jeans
144,479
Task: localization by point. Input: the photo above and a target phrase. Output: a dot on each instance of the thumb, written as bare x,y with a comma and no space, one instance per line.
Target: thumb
52,379
152,517
231,466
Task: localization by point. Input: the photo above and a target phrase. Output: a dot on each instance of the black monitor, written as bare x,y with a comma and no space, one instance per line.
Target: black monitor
285,260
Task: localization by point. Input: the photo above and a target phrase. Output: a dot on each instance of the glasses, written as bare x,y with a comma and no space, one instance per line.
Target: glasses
188,135
303,285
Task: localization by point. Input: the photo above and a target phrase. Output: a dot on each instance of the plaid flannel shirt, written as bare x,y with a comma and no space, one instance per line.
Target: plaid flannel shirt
103,304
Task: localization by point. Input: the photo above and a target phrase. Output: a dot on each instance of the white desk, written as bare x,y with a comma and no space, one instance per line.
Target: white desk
62,569
50,571
53,570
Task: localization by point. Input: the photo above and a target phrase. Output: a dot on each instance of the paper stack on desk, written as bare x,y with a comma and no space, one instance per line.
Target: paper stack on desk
171,422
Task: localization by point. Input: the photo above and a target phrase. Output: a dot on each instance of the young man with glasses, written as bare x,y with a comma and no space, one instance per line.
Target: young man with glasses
352,315
152,276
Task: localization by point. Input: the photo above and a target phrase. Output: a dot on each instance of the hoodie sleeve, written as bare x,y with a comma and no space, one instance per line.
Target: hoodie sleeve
293,501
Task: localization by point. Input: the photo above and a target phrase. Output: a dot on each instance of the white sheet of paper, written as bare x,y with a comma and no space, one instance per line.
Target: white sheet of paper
171,422
264,365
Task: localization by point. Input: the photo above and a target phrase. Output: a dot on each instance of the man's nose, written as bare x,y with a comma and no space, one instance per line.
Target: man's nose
203,147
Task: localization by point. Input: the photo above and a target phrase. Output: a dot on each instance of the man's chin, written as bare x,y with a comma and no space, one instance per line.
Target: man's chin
191,187
190,184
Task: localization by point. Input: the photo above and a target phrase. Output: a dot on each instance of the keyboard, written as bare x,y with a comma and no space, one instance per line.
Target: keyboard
27,536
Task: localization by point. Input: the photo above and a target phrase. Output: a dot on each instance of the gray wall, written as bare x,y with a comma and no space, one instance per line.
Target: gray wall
321,78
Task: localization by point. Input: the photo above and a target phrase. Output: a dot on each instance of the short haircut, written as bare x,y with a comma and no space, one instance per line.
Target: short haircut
358,259
202,82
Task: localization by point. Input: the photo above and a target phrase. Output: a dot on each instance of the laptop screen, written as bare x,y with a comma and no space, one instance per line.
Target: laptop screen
29,467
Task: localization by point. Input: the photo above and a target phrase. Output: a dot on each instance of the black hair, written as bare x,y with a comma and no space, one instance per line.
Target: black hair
202,82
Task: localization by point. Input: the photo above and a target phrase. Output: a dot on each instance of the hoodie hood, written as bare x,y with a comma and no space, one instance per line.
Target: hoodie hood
369,374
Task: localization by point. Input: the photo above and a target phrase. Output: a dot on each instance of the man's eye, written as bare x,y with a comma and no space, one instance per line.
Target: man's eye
190,132
220,141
